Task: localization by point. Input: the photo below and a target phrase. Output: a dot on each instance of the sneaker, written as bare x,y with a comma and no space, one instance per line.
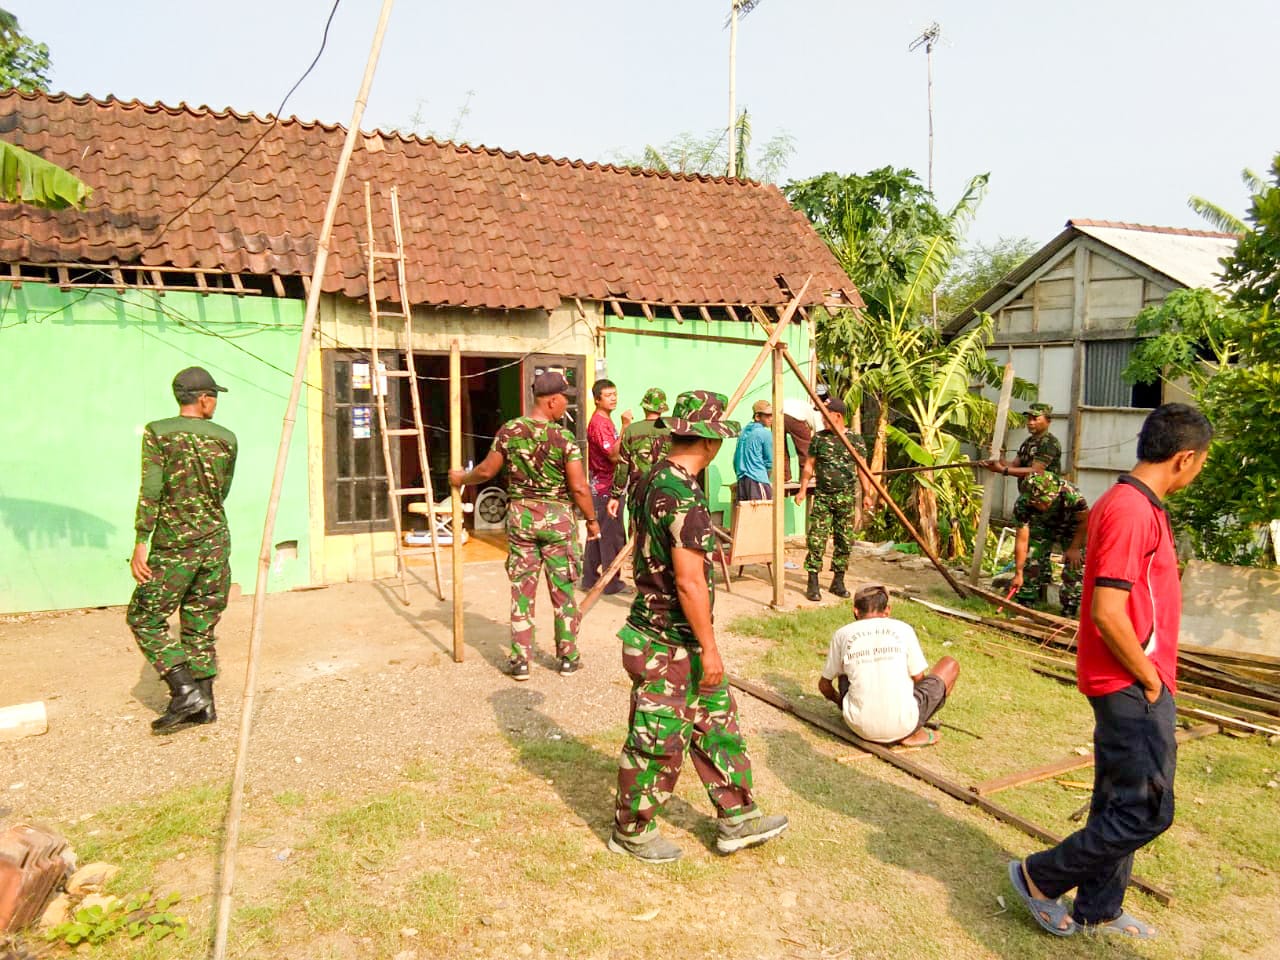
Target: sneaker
519,669
567,666
651,847
732,837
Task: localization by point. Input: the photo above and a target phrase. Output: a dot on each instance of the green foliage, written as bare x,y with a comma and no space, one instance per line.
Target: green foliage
977,269
1239,489
708,154
26,178
896,245
140,916
1189,334
24,64
1220,218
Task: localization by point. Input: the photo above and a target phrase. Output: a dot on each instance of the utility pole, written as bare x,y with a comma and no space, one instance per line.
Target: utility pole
927,39
736,8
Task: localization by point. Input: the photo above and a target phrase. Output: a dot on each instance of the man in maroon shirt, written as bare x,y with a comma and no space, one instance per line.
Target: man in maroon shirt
602,457
1126,664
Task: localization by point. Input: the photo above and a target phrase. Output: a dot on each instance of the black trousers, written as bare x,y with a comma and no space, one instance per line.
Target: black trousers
1135,754
600,553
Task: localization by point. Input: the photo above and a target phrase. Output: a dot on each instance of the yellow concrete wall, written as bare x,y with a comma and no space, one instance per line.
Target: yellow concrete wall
344,323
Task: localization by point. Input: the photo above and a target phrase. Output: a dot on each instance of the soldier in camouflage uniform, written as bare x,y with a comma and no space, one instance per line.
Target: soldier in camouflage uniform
834,505
545,478
1050,511
1041,452
680,699
187,465
644,443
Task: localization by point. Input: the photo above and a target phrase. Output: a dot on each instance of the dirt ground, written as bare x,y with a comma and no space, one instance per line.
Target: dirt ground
351,685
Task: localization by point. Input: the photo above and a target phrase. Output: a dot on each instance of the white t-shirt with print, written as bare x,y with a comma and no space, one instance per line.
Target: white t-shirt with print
879,655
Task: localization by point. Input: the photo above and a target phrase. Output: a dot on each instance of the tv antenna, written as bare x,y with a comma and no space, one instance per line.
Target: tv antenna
931,35
737,8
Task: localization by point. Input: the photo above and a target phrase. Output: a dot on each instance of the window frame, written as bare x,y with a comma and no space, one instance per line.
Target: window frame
333,526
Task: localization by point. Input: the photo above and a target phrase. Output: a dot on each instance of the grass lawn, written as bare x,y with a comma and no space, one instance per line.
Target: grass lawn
503,855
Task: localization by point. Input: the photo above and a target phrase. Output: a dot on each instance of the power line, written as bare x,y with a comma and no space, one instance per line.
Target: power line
275,119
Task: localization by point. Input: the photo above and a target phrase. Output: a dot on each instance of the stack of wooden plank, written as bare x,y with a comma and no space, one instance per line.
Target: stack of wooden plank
1239,690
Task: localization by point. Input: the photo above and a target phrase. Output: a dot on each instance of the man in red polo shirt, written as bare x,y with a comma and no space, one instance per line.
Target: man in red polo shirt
1126,664
602,457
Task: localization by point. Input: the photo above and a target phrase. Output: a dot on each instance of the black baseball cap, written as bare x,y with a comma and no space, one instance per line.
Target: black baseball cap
195,380
836,405
550,383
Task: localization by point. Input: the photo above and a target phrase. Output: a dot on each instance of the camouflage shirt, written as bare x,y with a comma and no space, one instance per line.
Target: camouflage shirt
537,454
673,514
1042,449
187,464
644,443
1059,522
833,464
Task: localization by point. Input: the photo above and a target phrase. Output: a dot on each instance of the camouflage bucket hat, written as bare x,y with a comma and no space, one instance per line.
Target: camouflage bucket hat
655,400
1041,489
1040,409
700,413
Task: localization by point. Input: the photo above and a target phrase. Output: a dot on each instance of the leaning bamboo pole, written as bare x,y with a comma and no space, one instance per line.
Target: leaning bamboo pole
232,832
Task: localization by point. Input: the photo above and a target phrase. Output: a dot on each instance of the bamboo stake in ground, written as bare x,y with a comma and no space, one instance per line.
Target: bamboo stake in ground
989,482
779,488
455,495
232,832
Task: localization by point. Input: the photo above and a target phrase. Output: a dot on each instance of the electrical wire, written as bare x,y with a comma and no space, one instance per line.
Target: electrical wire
275,119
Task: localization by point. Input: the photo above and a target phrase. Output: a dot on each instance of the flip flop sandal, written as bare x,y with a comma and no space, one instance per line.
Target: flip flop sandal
1055,909
933,737
1120,927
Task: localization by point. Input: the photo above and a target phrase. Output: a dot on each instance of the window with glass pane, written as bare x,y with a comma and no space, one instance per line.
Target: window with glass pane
355,473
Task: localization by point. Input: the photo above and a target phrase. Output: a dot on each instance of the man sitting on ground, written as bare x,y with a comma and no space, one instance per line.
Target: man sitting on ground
887,691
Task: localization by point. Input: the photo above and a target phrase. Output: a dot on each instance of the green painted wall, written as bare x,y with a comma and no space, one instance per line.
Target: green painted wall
636,363
81,373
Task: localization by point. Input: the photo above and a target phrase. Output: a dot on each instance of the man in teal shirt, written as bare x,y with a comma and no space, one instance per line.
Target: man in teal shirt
753,459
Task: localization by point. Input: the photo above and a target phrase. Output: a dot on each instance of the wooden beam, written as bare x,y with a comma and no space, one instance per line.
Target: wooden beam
921,772
277,285
775,337
699,337
237,285
675,312
1074,762
644,308
202,283
158,280
64,280
779,489
728,308
455,493
15,275
617,309
706,315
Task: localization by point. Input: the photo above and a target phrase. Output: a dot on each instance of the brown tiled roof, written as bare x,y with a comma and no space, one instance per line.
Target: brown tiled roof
484,227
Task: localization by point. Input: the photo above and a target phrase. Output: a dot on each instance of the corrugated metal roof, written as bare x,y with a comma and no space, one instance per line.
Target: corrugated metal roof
1188,256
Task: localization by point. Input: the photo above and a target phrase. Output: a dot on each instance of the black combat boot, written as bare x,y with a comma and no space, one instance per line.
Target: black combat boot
837,584
186,699
812,591
209,713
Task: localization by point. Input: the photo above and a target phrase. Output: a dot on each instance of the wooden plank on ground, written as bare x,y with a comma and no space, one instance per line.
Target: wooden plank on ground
1074,762
921,772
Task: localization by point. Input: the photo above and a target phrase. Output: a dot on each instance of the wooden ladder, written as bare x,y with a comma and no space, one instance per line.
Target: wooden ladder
381,378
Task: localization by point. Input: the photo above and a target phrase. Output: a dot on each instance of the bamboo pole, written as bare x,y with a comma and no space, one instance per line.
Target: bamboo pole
232,831
455,495
923,468
779,491
989,482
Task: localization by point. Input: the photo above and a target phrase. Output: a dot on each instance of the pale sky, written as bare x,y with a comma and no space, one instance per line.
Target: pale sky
1110,110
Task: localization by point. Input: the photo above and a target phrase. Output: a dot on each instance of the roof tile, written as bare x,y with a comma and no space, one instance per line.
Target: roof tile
484,227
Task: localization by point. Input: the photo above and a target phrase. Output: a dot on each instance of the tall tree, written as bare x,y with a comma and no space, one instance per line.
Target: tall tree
888,234
24,63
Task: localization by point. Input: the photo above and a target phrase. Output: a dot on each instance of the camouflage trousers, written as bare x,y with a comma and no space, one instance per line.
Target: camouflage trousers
830,515
1037,574
193,580
670,715
542,537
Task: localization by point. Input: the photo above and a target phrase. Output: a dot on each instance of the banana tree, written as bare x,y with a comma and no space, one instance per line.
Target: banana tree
26,178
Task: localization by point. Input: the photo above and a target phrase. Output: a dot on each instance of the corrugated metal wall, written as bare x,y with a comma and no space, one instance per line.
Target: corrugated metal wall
1104,361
